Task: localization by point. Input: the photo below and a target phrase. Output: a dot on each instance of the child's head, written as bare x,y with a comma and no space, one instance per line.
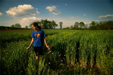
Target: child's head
35,26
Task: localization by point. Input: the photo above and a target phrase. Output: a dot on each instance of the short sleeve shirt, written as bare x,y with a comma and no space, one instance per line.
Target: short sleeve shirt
38,38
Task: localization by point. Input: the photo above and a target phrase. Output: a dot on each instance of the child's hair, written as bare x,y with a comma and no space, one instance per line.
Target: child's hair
36,26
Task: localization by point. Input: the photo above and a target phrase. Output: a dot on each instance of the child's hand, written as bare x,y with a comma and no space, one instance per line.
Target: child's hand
48,47
27,48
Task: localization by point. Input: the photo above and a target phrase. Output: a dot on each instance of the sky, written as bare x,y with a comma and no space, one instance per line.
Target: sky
67,11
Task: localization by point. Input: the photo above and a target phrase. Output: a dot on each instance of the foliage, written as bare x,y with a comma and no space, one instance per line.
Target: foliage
72,52
107,25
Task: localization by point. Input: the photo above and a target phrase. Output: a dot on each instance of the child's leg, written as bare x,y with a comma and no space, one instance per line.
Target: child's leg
36,57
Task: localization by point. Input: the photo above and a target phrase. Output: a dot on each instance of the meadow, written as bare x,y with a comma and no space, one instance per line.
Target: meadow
73,52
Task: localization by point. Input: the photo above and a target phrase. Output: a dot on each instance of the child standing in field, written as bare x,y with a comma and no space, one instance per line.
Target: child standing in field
38,38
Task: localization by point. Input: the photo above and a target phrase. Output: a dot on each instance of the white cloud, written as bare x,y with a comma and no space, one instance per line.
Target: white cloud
65,4
0,13
56,12
38,12
106,16
51,8
28,21
97,20
33,14
21,10
48,19
72,17
84,14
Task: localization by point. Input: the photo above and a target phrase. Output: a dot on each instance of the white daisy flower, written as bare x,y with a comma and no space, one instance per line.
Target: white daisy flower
49,63
61,60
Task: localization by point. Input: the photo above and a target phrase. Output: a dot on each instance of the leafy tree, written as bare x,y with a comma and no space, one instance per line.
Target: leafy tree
12,26
81,24
17,25
92,23
39,23
26,27
60,23
45,24
42,22
71,27
54,24
50,25
76,25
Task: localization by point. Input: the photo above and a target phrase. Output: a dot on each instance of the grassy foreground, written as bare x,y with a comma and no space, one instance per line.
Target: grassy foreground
74,52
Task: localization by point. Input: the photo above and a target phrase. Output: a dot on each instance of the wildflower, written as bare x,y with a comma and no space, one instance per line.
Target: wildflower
61,60
49,63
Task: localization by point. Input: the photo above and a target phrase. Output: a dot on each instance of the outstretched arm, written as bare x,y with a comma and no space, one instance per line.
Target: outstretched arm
45,41
30,43
46,44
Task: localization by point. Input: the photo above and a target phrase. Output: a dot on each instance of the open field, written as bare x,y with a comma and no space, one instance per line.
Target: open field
74,52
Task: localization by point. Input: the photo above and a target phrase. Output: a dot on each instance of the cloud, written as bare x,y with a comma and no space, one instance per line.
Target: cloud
21,10
72,17
28,21
0,13
106,16
97,20
65,4
56,12
84,14
51,8
38,12
48,19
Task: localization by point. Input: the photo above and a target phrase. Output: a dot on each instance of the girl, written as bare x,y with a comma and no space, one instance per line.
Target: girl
38,38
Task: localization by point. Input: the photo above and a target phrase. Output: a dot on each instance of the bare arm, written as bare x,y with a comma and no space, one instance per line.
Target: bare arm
30,43
45,41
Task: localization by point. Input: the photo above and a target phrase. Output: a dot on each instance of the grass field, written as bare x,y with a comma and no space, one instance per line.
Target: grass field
73,52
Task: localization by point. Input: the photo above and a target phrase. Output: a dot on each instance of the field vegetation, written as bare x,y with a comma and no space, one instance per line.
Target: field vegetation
73,52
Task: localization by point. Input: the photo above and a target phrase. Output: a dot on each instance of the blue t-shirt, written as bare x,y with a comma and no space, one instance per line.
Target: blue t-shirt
38,38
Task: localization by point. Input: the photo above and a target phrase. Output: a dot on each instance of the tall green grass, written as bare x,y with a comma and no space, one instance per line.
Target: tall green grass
72,52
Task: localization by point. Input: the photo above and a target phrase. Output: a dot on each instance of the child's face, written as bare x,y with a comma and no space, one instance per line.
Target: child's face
33,27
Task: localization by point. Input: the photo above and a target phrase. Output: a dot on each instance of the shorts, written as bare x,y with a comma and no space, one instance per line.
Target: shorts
38,50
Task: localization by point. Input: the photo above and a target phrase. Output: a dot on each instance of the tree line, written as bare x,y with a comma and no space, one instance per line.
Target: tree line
45,24
102,25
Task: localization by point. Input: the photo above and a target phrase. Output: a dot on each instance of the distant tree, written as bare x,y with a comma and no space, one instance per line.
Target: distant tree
54,24
50,25
76,25
67,28
109,25
92,23
60,23
42,23
71,27
12,26
39,23
17,25
26,27
81,24
45,24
